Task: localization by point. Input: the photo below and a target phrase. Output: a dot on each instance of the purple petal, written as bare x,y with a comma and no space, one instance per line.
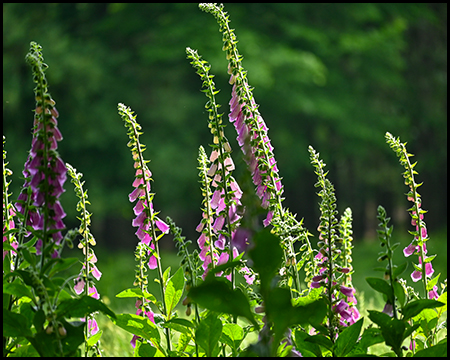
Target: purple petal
162,226
347,291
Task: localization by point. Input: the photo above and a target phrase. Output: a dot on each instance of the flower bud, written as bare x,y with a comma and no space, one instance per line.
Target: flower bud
62,331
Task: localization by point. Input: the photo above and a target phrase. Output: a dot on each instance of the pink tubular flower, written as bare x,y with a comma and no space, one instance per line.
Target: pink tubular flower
141,210
259,158
417,275
44,175
347,291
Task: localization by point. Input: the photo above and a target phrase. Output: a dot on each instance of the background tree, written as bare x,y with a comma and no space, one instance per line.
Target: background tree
336,76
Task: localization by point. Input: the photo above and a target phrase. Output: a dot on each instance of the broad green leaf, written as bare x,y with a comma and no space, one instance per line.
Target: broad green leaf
146,350
82,306
136,293
393,330
400,293
347,339
15,325
27,256
232,335
267,256
281,312
439,350
305,347
137,325
217,295
208,333
179,324
381,286
18,289
415,307
62,265
174,291
370,336
320,340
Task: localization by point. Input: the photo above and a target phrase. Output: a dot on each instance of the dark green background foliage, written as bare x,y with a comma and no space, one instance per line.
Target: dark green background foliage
334,76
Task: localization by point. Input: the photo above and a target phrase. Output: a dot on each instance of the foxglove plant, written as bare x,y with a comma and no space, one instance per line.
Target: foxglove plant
150,227
37,307
44,171
84,282
258,151
9,238
424,270
345,259
250,126
404,315
222,207
340,298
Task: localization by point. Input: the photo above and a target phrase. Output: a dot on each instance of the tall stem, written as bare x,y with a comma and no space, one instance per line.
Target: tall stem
152,225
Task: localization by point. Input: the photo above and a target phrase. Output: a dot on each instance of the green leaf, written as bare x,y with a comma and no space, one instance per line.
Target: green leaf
381,286
136,293
146,350
439,350
393,330
82,306
370,336
62,265
15,325
18,289
179,324
267,256
442,298
433,282
94,338
305,347
347,339
415,307
397,271
27,256
280,311
137,325
208,333
166,275
320,340
217,295
400,293
174,291
232,335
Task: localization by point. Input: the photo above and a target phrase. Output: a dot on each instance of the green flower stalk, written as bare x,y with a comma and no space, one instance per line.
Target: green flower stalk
84,282
150,228
340,298
345,230
8,217
424,270
250,126
222,206
256,146
384,234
